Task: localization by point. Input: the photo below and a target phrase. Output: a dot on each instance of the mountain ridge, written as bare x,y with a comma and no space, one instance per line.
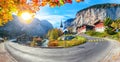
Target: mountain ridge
95,13
16,28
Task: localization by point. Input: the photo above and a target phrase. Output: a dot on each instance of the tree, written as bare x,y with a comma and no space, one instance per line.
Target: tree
109,26
108,21
110,31
8,7
116,24
54,34
3,33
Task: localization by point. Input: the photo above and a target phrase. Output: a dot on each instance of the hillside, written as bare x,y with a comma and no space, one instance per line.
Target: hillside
96,13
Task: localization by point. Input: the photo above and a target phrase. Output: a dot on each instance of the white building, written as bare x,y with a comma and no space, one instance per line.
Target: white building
99,27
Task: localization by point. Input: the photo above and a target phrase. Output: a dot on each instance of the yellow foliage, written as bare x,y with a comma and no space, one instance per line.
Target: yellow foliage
69,43
33,43
15,6
54,34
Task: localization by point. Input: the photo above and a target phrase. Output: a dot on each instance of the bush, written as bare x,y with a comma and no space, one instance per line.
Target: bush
115,36
97,34
103,34
110,31
53,43
90,32
69,43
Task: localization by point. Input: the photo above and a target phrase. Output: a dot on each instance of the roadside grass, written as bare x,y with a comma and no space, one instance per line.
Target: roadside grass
116,36
74,42
68,43
96,34
103,35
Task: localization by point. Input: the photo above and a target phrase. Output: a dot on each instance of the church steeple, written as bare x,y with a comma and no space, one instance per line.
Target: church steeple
61,25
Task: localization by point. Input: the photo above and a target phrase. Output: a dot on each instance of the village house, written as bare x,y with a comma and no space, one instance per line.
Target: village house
99,26
84,28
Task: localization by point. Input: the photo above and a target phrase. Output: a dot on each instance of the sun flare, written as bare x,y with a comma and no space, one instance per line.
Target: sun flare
26,16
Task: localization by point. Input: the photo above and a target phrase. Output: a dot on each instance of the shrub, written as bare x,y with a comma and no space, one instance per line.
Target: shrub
110,31
115,36
97,34
53,43
69,43
90,32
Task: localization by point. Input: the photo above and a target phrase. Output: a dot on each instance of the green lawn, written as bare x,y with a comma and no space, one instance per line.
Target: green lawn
75,41
104,34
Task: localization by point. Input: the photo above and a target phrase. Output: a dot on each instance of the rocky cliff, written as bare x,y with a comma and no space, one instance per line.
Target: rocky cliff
68,23
95,13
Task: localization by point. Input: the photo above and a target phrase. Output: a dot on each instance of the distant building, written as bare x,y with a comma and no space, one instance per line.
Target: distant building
61,25
81,29
99,26
84,28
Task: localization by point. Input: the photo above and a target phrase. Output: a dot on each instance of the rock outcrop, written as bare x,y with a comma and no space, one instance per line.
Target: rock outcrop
92,14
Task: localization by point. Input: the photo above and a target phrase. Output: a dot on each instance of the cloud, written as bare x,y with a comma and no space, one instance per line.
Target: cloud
87,1
55,20
115,1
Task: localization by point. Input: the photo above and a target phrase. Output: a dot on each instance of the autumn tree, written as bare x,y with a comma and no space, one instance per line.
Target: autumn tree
54,34
8,7
116,24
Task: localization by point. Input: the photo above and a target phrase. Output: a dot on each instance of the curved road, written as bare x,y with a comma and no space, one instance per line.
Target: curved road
88,52
4,55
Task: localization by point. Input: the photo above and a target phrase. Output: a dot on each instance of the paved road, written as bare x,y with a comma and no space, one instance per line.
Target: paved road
4,56
88,52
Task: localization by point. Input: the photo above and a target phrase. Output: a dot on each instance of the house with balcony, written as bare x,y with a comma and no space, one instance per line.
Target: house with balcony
99,26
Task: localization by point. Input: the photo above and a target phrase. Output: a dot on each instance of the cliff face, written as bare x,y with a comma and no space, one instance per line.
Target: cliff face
68,22
95,13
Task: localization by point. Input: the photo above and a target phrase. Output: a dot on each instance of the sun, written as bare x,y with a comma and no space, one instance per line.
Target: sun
26,16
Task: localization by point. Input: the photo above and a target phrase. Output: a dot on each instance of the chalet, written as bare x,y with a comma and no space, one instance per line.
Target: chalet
84,28
99,26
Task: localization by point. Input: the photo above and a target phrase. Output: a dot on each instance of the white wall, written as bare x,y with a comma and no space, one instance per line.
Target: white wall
100,29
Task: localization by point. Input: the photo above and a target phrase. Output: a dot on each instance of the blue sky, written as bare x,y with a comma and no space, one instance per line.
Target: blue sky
56,14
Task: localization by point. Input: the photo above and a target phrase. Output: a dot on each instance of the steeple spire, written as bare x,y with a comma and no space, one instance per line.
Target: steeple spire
61,25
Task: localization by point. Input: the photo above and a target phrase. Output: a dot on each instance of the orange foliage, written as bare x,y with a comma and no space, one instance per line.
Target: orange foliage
53,43
16,6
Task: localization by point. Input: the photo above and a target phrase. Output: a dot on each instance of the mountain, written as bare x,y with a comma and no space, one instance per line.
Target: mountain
96,13
35,28
68,22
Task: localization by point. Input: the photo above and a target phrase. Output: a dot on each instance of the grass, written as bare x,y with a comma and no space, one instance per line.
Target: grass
96,34
75,41
115,36
104,34
67,43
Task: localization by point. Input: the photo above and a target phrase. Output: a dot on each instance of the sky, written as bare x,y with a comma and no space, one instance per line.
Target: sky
67,11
